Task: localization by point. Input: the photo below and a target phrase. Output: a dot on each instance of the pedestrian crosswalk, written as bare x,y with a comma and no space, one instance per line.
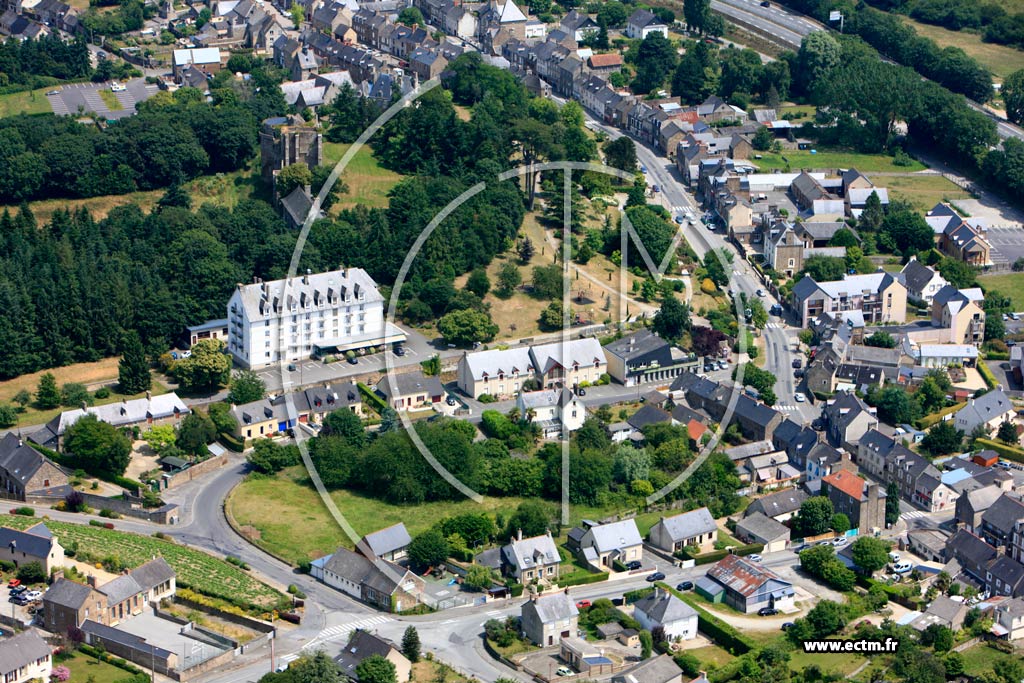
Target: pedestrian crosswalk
339,632
494,613
679,209
914,514
787,408
775,326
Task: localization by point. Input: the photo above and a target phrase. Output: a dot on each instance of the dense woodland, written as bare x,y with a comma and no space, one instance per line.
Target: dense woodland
995,23
24,62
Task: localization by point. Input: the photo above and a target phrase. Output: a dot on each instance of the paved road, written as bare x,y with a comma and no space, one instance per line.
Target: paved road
779,339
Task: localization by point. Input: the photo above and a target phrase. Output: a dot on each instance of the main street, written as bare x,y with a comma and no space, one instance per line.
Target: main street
779,339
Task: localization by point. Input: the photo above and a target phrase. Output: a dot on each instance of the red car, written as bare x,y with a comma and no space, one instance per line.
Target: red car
13,583
583,604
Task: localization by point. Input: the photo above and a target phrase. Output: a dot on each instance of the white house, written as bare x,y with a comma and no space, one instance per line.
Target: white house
986,411
551,410
548,618
25,657
603,544
300,317
663,609
696,528
643,23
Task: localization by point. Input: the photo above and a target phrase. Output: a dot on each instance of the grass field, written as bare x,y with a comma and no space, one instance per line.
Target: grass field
1010,284
110,99
194,569
842,664
711,655
99,207
980,659
29,102
824,159
1001,60
368,182
268,510
86,668
923,191
226,189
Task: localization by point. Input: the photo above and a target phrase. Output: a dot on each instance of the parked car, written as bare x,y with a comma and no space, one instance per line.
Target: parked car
399,350
762,293
894,557
18,600
767,612
799,398
839,542
451,401
656,189
786,625
34,595
18,590
656,576
754,558
798,362
765,3
582,604
723,365
685,586
352,360
57,92
634,565
13,583
902,567
798,373
563,671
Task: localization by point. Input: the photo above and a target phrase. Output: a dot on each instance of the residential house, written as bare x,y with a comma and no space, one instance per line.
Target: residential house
529,559
1005,576
694,528
643,356
922,282
770,471
546,619
35,544
211,329
746,585
986,413
331,16
411,390
69,604
971,505
859,378
209,60
1009,619
872,450
820,377
848,418
569,365
25,657
363,644
139,412
961,312
999,521
928,544
880,296
663,609
945,355
604,544
427,63
756,420
579,25
958,237
862,503
380,583
758,528
499,373
972,554
24,471
262,30
780,506
643,23
715,109
390,544
552,410
132,593
944,612
660,669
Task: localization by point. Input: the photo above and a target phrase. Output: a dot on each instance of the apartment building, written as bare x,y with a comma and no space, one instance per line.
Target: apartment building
302,317
880,296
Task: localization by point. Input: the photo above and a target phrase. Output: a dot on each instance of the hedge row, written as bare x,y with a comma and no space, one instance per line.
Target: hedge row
721,633
934,418
231,442
987,375
633,596
461,554
583,579
716,555
1009,452
371,397
109,658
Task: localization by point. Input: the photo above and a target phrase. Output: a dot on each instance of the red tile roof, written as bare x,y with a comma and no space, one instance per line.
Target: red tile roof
695,429
607,60
847,482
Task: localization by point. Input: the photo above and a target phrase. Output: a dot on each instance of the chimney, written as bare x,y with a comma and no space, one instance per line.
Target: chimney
91,580
519,534
149,395
58,575
1000,550
305,278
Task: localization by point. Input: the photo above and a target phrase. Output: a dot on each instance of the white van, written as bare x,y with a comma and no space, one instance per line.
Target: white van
902,567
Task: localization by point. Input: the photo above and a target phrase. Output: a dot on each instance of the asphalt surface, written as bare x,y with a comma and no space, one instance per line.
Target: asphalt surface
84,98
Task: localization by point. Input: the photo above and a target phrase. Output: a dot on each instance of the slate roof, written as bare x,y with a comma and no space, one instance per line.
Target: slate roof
643,18
116,635
120,589
663,607
917,275
984,408
845,409
67,593
585,351
153,573
408,384
689,524
35,545
20,651
782,502
963,545
1004,513
756,412
552,607
616,535
361,645
635,344
1009,571
532,552
647,415
762,527
388,540
982,499
492,363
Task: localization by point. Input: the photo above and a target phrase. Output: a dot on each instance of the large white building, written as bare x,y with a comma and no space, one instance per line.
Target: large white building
309,315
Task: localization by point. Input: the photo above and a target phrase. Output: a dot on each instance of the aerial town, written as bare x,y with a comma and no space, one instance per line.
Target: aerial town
435,341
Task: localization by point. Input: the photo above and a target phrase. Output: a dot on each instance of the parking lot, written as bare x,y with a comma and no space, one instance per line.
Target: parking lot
84,98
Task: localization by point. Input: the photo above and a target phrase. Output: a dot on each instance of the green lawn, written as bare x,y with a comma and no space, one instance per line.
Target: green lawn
85,668
110,99
824,159
1001,60
981,658
1010,284
711,655
923,191
226,189
839,663
368,182
194,569
29,102
269,510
